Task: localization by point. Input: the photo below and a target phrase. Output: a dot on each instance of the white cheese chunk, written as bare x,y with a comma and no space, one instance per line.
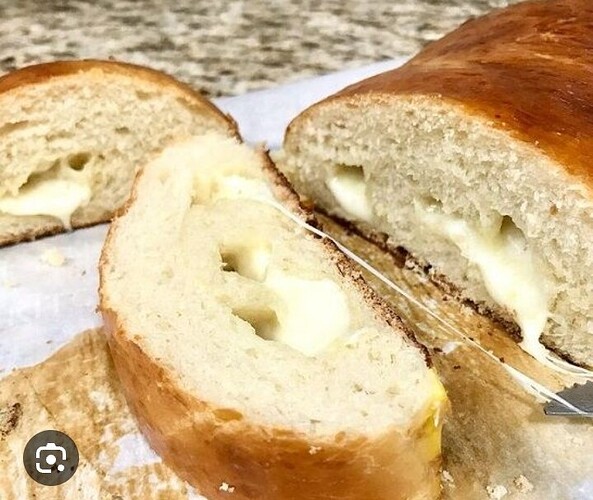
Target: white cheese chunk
249,261
507,267
54,197
349,189
311,313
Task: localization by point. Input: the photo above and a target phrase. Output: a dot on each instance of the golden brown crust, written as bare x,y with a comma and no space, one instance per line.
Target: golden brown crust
48,230
44,73
209,446
526,69
32,234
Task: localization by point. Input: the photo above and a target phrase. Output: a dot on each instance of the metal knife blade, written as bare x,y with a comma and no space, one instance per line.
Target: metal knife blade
579,395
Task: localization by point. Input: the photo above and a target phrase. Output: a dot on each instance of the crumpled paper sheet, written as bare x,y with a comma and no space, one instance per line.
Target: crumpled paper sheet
77,392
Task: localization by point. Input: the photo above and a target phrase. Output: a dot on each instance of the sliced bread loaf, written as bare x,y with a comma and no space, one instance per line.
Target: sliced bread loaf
255,358
72,134
476,158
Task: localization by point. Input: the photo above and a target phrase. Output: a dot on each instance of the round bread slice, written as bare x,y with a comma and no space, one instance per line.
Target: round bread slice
255,358
72,134
475,157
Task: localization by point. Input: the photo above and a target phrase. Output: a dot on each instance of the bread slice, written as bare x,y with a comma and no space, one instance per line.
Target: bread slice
72,134
255,358
476,158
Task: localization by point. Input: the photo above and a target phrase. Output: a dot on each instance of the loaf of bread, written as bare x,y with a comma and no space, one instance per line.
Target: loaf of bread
72,134
257,361
476,157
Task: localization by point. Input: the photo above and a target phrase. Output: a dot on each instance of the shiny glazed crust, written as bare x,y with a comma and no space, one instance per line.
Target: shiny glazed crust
44,73
527,69
209,446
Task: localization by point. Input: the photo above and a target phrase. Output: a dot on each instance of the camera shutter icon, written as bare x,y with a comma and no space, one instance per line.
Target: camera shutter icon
50,458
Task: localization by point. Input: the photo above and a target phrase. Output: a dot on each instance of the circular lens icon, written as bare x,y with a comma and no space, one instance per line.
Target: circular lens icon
50,458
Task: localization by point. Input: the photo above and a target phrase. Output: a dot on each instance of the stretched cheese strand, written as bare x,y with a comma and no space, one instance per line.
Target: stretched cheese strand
524,380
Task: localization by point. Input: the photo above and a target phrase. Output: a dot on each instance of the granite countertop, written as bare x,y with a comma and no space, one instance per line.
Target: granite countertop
229,47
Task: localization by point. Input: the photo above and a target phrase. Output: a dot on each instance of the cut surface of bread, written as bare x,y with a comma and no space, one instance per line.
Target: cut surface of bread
72,134
255,358
476,158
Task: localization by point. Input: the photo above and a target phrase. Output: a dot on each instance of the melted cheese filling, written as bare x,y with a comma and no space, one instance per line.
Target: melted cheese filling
348,187
507,266
54,197
311,313
237,186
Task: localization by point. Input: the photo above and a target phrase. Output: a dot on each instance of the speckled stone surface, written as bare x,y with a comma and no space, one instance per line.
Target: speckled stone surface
228,47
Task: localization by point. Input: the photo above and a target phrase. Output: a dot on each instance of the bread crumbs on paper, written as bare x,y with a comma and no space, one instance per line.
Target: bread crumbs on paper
496,492
53,257
226,487
523,484
577,441
467,310
449,347
448,478
102,400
